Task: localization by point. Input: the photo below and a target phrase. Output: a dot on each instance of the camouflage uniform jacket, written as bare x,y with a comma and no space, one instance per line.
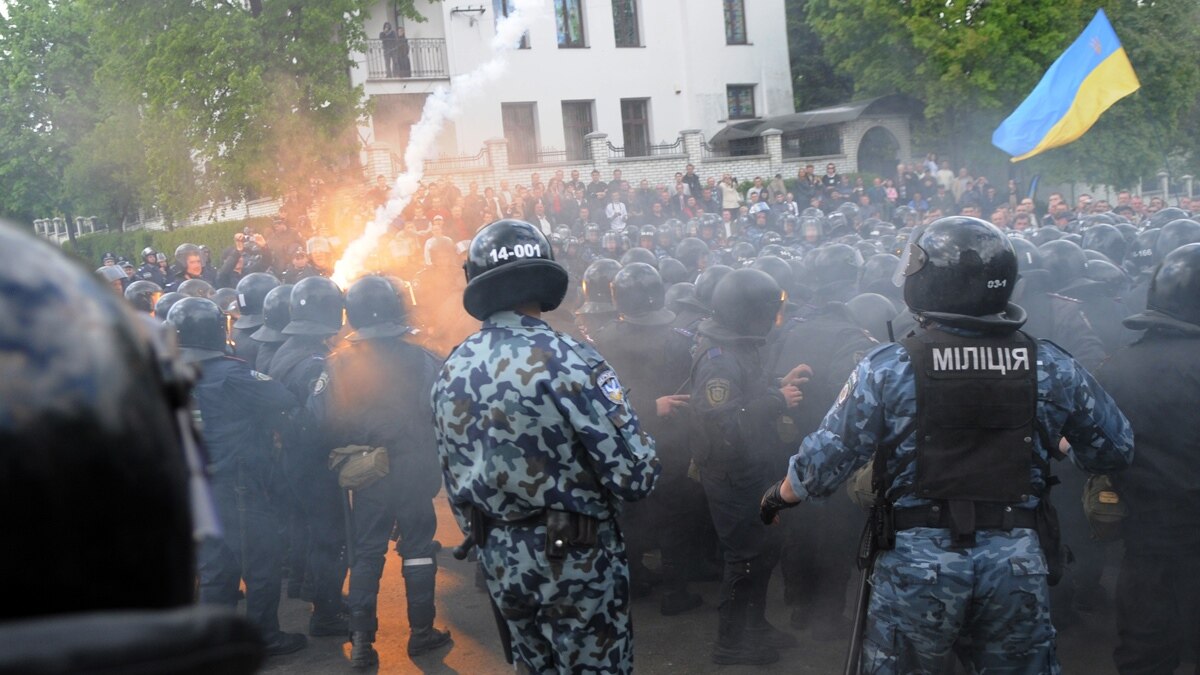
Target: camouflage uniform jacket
878,405
528,419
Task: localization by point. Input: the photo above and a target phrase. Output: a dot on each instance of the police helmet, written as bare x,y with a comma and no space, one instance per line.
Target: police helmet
1141,256
707,282
251,291
872,312
877,273
638,254
836,263
1042,235
148,252
959,266
591,233
747,301
142,295
639,295
1065,262
277,314
200,324
165,302
1175,234
597,287
1106,239
771,238
196,288
680,296
1174,292
779,270
689,251
1114,279
743,253
316,308
90,427
777,250
672,271
183,252
812,212
509,264
647,232
112,275
375,310
1029,257
227,301
1161,217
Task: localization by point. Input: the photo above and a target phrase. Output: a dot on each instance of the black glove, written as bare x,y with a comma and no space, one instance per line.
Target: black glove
772,503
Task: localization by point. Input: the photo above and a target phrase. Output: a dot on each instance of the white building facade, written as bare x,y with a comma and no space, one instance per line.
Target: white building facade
641,71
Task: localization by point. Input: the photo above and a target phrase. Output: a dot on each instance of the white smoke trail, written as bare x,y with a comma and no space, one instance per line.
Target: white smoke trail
443,104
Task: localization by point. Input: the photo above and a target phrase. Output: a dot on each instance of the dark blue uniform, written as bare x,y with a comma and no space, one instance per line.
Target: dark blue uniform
239,410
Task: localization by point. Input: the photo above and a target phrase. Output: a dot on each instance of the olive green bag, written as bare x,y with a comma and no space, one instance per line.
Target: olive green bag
1104,509
358,466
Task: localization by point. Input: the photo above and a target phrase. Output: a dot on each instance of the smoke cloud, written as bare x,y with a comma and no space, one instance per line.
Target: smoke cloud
443,104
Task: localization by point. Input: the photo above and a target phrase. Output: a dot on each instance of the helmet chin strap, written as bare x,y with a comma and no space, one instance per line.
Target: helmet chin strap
1010,320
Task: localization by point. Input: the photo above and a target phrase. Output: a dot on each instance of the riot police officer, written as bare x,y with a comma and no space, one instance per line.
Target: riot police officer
597,309
540,483
150,271
251,291
374,394
316,317
239,409
738,410
276,314
655,360
143,295
1157,589
962,418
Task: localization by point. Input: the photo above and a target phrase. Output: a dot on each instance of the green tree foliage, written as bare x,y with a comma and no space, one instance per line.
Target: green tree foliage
216,236
973,62
815,81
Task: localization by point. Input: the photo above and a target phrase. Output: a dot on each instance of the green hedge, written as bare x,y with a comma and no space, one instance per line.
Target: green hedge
90,247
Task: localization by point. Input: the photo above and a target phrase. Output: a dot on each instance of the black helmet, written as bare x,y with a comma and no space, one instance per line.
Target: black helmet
647,232
1044,234
1114,279
597,287
640,255
672,271
779,270
510,263
1065,261
200,325
836,263
771,238
591,233
183,251
142,295
1175,234
147,252
877,274
690,251
227,301
196,288
959,265
1106,239
1029,257
640,296
164,304
681,295
251,291
746,301
1161,217
872,312
375,310
316,308
1141,256
1174,291
277,314
92,401
743,253
707,282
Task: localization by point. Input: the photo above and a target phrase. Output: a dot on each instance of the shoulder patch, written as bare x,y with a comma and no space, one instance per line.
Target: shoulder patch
611,386
717,391
851,382
321,383
712,354
260,376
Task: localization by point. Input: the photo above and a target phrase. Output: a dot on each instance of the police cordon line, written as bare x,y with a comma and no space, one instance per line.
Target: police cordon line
601,412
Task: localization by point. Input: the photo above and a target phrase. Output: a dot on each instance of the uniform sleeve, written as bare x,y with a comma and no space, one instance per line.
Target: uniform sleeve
269,398
1100,435
1079,335
622,455
847,437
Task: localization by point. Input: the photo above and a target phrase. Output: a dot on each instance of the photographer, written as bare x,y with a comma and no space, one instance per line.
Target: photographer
244,257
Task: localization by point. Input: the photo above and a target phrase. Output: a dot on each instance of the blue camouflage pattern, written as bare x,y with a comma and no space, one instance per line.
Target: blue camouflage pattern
530,420
993,599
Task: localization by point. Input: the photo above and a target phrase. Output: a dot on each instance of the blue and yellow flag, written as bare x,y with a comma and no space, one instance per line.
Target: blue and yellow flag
1086,80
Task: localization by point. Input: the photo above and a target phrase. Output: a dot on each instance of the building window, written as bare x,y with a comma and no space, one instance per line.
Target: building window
625,23
740,100
520,130
503,8
735,22
577,124
568,14
635,123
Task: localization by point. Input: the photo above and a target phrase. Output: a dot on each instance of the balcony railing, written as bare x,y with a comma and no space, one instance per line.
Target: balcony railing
407,59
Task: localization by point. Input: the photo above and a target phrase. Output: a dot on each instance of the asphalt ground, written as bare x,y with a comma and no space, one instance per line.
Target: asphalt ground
679,644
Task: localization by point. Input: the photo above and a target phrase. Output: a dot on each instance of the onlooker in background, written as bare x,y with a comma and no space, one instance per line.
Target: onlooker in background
387,39
616,213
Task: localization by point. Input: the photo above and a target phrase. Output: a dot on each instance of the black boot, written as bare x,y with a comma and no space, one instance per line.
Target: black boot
419,580
734,643
676,599
362,649
285,643
426,640
758,628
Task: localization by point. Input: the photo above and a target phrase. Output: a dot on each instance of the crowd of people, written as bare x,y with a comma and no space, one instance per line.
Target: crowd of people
727,392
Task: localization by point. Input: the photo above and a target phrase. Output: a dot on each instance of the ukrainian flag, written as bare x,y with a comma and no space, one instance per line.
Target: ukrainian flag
1086,80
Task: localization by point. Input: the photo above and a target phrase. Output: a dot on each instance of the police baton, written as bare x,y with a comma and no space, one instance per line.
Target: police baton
866,562
348,516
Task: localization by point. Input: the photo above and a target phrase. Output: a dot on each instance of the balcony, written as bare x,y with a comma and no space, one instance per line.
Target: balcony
411,59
